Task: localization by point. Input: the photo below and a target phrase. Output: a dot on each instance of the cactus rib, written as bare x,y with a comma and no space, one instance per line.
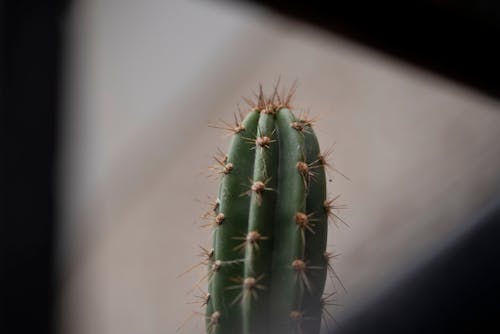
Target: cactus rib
315,242
286,287
235,209
260,222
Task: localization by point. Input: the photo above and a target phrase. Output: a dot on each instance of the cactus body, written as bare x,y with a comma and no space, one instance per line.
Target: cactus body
268,267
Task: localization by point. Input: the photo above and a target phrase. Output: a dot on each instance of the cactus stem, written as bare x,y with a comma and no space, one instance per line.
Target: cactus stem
278,153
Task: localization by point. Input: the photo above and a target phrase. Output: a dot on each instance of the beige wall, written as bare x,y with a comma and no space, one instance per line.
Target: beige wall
145,78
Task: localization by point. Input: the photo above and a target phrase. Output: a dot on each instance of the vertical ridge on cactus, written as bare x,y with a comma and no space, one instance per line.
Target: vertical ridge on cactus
288,244
258,251
268,268
235,208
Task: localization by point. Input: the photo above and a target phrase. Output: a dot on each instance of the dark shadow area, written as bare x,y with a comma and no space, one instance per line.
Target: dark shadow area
457,292
457,39
31,61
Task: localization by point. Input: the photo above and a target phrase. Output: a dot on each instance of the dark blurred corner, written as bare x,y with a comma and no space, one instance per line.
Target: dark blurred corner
456,292
31,62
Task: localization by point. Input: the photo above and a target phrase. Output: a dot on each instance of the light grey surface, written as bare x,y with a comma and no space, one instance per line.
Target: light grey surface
145,78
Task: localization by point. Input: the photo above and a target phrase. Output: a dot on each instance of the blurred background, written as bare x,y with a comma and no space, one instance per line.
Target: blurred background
108,147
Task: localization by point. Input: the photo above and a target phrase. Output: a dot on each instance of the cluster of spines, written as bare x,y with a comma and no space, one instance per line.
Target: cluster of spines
268,265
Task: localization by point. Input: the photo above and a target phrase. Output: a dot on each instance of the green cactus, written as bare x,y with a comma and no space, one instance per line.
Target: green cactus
268,265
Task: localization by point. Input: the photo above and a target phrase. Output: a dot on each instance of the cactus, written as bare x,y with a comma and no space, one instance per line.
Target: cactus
268,265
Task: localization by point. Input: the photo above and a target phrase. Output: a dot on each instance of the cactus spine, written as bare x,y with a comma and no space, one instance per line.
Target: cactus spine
268,267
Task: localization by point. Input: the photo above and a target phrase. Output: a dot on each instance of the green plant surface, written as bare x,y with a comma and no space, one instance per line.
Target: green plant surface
269,264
